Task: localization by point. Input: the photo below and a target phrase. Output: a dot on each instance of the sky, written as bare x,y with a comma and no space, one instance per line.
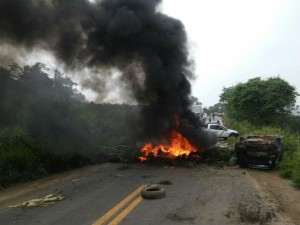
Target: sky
232,41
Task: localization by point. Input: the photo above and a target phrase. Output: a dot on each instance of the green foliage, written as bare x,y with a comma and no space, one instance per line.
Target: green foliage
231,142
215,109
290,166
193,99
165,182
293,123
286,173
57,124
22,159
124,167
260,102
57,128
296,179
18,159
19,164
220,157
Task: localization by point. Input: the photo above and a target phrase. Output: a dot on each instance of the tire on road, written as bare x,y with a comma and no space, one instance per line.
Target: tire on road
153,192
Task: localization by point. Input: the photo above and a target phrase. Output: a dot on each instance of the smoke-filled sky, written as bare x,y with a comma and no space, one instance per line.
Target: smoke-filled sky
126,45
234,41
230,41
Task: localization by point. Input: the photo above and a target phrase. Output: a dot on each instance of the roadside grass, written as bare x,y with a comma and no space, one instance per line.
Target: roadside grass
165,182
124,167
19,164
289,166
220,157
21,159
24,164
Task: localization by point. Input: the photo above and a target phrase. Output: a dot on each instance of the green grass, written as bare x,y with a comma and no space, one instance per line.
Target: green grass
165,182
289,166
23,160
19,164
220,157
23,164
124,167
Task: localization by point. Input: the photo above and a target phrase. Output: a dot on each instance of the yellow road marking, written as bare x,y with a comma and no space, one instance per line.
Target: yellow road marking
126,211
115,209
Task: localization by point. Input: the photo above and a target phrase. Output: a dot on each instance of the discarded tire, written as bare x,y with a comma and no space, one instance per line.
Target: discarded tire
153,192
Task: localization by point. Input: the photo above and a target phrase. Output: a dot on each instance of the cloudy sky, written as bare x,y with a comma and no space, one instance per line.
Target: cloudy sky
233,41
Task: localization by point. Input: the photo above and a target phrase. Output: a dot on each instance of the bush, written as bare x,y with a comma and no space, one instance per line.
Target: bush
22,160
55,163
220,157
19,164
286,173
296,179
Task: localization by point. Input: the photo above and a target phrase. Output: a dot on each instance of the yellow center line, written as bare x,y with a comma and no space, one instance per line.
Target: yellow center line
126,211
115,209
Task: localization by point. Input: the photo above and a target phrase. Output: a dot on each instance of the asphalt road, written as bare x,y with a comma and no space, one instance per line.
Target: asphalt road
198,195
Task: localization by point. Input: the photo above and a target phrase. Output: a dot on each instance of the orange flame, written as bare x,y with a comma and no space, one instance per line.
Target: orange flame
179,146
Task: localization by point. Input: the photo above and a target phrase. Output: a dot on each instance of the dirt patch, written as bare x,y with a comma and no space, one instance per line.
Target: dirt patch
286,195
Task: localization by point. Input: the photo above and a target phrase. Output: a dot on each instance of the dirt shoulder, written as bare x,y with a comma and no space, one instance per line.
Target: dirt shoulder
280,189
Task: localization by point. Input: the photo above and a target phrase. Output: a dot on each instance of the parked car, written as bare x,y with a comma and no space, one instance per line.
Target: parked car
221,131
262,152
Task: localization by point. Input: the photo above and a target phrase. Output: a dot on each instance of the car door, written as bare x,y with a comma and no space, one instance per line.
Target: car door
218,129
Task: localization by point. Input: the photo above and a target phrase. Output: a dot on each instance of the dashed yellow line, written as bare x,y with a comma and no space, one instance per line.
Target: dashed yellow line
120,205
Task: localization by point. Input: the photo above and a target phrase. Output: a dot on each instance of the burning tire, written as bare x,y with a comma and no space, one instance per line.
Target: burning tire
153,192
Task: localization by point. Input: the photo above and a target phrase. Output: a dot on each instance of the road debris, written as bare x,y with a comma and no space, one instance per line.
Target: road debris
259,152
153,191
46,201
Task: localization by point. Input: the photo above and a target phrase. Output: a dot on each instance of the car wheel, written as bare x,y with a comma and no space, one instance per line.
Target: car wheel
153,192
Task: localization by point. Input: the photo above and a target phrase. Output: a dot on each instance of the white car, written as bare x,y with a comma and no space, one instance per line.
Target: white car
221,131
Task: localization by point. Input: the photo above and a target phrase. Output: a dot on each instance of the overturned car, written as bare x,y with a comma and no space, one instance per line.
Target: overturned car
261,152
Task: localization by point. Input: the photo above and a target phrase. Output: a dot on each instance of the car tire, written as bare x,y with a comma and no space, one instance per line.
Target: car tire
153,192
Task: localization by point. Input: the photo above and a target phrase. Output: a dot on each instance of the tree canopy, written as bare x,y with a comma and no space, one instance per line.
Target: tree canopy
261,102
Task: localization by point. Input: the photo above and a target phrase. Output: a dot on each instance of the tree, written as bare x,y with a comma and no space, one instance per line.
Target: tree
215,109
193,99
261,102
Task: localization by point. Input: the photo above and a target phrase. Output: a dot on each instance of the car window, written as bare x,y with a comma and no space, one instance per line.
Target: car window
215,127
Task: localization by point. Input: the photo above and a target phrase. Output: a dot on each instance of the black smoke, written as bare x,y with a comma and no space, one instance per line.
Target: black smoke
148,47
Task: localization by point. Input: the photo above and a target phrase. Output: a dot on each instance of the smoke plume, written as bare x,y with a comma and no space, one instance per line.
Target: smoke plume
148,47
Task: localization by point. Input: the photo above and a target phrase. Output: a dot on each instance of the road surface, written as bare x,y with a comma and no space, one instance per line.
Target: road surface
104,194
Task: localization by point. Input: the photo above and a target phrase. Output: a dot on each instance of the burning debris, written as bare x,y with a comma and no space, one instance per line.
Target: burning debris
179,146
147,47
